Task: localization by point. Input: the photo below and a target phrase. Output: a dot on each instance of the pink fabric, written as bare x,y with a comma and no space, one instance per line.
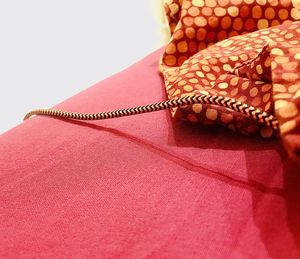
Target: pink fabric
143,185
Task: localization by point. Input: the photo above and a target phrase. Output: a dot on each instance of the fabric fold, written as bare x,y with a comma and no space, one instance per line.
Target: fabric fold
248,51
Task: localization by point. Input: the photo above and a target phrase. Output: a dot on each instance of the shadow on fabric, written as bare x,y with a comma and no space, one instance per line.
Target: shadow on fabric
275,190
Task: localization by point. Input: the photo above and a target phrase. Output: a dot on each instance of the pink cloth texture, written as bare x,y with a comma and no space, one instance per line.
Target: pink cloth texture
144,186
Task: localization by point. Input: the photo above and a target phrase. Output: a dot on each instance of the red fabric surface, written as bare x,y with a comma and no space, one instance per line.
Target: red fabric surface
145,185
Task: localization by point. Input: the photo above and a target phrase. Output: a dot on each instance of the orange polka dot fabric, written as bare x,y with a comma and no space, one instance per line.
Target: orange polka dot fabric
246,50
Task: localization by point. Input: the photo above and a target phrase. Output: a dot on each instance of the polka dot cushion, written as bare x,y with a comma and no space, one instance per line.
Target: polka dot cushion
242,51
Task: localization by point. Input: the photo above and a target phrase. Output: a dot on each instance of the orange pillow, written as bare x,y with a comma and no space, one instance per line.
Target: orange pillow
245,53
